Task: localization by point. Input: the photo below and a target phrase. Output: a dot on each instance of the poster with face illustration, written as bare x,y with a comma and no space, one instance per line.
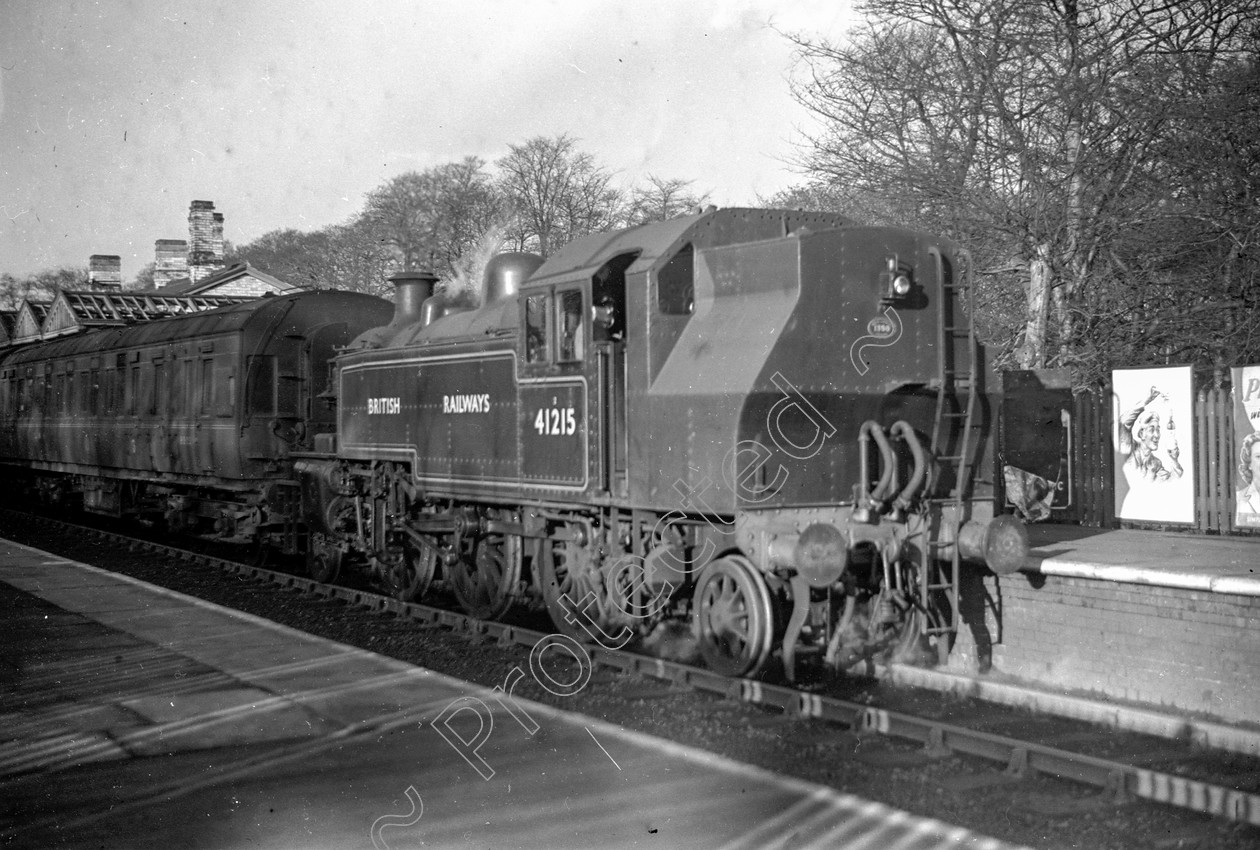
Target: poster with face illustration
1153,442
1246,460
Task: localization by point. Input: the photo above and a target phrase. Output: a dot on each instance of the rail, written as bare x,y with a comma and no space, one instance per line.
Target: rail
1016,757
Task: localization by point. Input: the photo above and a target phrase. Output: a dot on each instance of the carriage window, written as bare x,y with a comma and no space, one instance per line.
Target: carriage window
109,390
224,388
537,331
94,391
675,284
205,388
572,345
184,398
158,401
262,385
129,392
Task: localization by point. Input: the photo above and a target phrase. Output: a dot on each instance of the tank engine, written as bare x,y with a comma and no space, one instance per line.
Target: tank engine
188,420
773,422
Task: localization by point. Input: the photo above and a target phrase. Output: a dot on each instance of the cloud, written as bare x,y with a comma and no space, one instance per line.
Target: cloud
116,115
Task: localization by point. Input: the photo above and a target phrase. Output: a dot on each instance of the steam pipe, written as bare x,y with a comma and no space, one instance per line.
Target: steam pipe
871,430
903,429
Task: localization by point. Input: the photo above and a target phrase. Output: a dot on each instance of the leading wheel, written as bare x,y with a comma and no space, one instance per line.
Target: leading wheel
487,574
734,617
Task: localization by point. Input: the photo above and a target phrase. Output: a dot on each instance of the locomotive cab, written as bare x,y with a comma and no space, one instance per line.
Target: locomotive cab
572,351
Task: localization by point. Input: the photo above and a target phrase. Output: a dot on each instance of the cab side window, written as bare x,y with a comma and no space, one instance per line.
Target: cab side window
555,327
572,342
675,284
537,328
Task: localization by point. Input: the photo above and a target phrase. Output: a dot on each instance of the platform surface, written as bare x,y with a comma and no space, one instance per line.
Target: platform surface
132,716
1190,561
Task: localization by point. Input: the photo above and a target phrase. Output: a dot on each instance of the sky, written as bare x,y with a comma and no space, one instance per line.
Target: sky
116,114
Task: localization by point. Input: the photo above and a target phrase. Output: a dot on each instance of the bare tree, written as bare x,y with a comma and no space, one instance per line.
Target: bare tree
663,199
1188,269
1021,127
431,218
354,258
555,192
144,278
344,256
41,286
288,254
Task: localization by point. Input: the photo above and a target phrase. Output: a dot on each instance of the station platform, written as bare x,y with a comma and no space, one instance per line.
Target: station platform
1150,631
1226,565
135,716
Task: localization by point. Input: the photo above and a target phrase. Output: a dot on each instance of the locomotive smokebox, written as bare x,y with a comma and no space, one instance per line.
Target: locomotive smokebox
411,290
505,273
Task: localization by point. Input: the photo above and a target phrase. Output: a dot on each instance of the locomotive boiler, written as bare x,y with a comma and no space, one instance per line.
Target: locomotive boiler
772,422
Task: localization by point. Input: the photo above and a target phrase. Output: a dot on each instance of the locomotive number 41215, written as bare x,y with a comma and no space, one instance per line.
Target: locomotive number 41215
556,421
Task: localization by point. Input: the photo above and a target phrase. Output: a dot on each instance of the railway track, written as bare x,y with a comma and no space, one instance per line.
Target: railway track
1117,766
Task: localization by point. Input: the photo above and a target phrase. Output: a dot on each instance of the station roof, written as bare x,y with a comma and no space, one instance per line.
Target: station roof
76,310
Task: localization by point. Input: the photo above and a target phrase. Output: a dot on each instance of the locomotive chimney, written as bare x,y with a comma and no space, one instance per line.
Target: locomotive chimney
411,290
505,273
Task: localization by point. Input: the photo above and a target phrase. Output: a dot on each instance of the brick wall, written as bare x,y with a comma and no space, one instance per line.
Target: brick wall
1192,651
243,285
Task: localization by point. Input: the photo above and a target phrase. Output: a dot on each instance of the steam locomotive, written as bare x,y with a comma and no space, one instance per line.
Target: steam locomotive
772,424
769,424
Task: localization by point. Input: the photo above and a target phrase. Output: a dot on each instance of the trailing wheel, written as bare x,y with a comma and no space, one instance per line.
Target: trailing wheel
575,591
734,617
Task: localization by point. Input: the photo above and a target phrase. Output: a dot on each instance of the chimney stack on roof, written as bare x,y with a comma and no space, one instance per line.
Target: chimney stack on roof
205,232
170,261
105,272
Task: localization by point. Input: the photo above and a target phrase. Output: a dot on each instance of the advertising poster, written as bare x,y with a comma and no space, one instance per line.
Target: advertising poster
1154,414
1247,446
